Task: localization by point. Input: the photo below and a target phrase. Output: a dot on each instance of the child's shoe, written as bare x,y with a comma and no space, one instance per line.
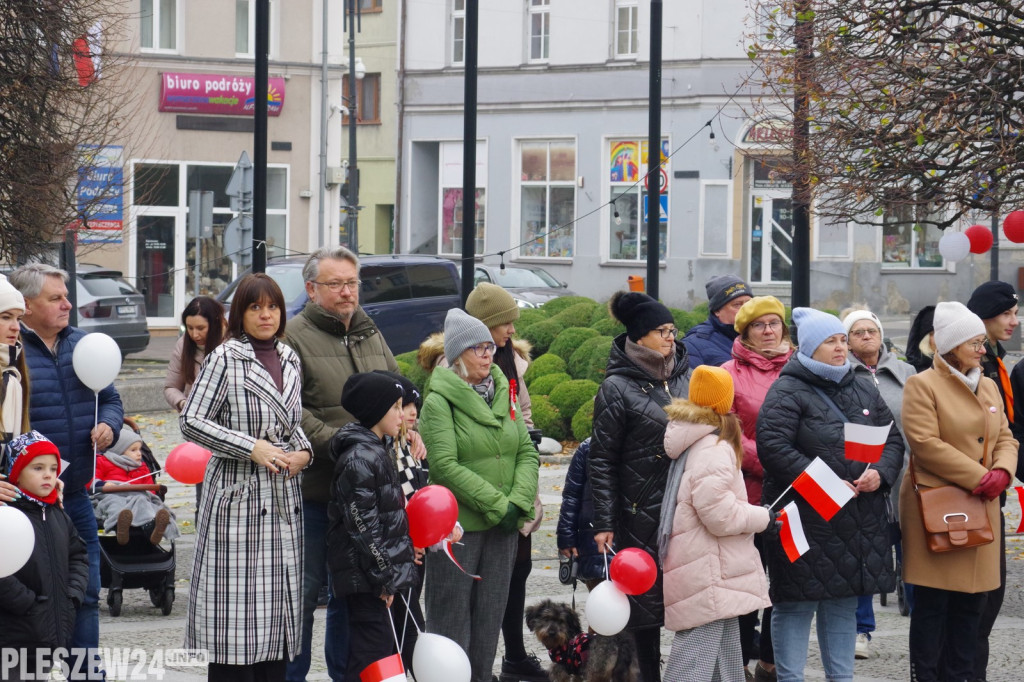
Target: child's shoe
163,519
124,526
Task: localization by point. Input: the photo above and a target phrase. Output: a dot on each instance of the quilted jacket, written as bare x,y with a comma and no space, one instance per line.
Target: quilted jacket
710,342
368,545
850,555
576,516
628,466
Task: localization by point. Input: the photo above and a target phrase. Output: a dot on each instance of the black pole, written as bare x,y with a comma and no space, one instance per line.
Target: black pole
70,266
469,151
654,153
804,42
995,245
259,180
352,212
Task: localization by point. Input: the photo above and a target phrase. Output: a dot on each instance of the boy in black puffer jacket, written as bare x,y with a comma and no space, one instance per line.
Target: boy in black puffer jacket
38,602
369,552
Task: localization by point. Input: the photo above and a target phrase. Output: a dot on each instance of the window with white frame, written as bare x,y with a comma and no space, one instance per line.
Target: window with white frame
715,226
451,205
458,32
158,27
832,238
627,217
245,28
539,17
547,204
907,240
625,28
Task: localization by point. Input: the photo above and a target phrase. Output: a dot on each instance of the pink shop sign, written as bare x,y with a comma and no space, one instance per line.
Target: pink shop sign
205,93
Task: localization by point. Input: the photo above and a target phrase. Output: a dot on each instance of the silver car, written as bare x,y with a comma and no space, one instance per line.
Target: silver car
109,304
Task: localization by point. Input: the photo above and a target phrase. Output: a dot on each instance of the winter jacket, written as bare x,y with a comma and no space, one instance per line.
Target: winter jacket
956,436
628,466
850,555
710,342
62,408
175,388
108,471
990,369
576,516
330,353
752,376
247,570
368,544
38,603
477,451
712,569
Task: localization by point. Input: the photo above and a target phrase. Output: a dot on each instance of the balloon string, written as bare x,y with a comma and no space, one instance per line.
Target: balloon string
95,423
394,632
606,560
408,611
137,478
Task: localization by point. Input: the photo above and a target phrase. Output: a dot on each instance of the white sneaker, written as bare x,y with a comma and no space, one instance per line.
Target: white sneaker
863,649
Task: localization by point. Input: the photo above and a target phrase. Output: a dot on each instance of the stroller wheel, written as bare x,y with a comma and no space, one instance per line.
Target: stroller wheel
114,602
156,596
168,601
883,598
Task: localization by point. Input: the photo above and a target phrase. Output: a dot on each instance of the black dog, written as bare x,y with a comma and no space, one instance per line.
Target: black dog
579,656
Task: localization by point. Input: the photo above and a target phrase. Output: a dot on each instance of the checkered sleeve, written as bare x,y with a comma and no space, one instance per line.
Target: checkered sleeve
207,409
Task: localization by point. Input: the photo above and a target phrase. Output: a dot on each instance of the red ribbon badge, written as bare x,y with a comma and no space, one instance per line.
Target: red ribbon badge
512,399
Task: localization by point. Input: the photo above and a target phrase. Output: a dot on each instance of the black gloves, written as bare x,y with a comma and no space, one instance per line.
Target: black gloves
773,522
510,522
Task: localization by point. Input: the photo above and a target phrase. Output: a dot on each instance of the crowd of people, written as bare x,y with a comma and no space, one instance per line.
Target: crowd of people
318,443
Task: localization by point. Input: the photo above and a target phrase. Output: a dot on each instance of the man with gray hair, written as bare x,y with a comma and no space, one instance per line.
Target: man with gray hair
62,408
335,339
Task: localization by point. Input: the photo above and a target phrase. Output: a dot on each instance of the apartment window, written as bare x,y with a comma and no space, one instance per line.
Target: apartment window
547,205
540,29
245,28
715,225
371,5
367,98
159,24
458,32
907,241
625,28
627,226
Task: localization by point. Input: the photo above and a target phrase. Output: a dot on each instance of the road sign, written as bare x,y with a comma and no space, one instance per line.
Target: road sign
662,180
239,186
200,214
238,241
664,208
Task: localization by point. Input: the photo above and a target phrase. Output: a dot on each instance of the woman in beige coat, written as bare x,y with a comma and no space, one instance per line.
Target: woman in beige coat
953,420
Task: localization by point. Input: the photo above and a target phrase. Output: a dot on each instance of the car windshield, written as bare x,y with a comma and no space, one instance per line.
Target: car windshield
521,278
288,277
105,285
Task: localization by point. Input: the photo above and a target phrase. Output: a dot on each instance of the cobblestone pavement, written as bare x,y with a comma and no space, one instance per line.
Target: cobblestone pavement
140,625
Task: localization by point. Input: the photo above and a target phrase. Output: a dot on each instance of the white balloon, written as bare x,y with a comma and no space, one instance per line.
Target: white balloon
607,609
17,539
954,246
439,659
96,360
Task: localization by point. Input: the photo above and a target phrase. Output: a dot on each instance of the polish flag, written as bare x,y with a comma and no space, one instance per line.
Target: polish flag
792,533
825,491
866,443
388,669
1020,497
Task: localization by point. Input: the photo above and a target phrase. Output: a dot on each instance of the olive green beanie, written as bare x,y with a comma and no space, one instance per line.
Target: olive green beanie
492,305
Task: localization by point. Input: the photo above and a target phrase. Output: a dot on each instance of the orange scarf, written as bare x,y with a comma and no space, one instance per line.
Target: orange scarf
1004,379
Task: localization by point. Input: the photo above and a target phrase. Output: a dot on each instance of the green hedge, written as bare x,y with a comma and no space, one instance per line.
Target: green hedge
600,313
580,360
545,384
545,364
569,396
583,421
577,315
609,326
569,340
598,361
557,305
547,418
528,316
410,369
541,334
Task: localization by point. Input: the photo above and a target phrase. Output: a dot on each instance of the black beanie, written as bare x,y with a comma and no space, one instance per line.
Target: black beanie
639,312
991,299
410,394
369,395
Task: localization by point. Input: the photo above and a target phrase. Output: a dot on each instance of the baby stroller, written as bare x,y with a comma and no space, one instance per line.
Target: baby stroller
140,563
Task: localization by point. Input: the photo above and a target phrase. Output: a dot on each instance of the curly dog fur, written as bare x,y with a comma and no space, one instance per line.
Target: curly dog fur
608,659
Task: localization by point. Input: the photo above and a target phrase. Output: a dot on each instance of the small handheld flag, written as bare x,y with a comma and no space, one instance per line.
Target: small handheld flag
792,532
865,443
822,489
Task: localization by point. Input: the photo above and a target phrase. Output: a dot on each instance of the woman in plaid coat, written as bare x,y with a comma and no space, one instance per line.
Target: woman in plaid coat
244,605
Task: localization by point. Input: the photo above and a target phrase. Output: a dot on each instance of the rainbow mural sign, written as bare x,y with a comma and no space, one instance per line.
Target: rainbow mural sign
205,93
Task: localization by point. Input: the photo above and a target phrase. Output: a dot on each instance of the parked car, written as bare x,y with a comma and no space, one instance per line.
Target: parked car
109,304
531,286
406,296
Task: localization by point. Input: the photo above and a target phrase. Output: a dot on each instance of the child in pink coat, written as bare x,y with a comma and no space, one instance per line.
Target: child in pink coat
712,570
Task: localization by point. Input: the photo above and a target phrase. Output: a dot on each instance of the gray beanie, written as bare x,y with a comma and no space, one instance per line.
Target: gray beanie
125,440
462,331
955,324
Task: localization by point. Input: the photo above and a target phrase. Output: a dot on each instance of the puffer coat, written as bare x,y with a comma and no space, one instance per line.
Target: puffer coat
628,465
850,555
710,342
576,516
368,544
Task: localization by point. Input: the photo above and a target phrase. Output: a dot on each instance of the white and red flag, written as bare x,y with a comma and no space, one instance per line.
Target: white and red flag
825,491
388,669
865,443
792,532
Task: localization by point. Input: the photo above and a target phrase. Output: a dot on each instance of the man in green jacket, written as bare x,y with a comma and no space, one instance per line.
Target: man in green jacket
335,339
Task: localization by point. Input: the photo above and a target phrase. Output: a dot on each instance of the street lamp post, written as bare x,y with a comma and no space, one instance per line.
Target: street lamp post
356,72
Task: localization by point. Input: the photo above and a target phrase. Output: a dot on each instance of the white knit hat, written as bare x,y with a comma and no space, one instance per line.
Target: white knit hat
10,298
858,315
955,324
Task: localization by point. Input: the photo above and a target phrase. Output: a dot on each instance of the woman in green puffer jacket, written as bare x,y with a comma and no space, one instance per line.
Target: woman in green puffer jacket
480,450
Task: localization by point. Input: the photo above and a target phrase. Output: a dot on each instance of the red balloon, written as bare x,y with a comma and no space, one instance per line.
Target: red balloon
633,571
981,238
187,463
432,512
1013,227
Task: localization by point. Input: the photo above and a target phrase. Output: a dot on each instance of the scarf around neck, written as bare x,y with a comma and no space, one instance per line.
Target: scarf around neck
122,461
651,361
833,373
11,392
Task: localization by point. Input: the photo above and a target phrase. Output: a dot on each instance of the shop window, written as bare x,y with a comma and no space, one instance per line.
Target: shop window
715,226
451,220
158,27
547,188
449,198
908,240
627,215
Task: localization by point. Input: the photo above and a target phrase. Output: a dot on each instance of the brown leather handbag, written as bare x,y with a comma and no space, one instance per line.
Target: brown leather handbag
953,517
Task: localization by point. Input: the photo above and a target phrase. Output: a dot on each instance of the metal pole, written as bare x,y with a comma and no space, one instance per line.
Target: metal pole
995,244
259,184
801,268
469,150
654,153
353,101
321,195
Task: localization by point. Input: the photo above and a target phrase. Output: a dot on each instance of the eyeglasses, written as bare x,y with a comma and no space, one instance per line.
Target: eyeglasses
334,287
761,326
484,349
668,333
864,333
976,346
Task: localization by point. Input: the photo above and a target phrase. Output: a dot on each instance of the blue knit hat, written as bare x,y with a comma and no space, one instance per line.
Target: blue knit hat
813,327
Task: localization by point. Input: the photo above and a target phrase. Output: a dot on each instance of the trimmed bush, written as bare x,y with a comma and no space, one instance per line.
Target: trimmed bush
545,364
577,315
583,421
600,313
566,343
403,368
557,305
609,326
412,371
569,396
598,362
544,385
547,418
702,310
688,321
528,316
580,360
542,334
